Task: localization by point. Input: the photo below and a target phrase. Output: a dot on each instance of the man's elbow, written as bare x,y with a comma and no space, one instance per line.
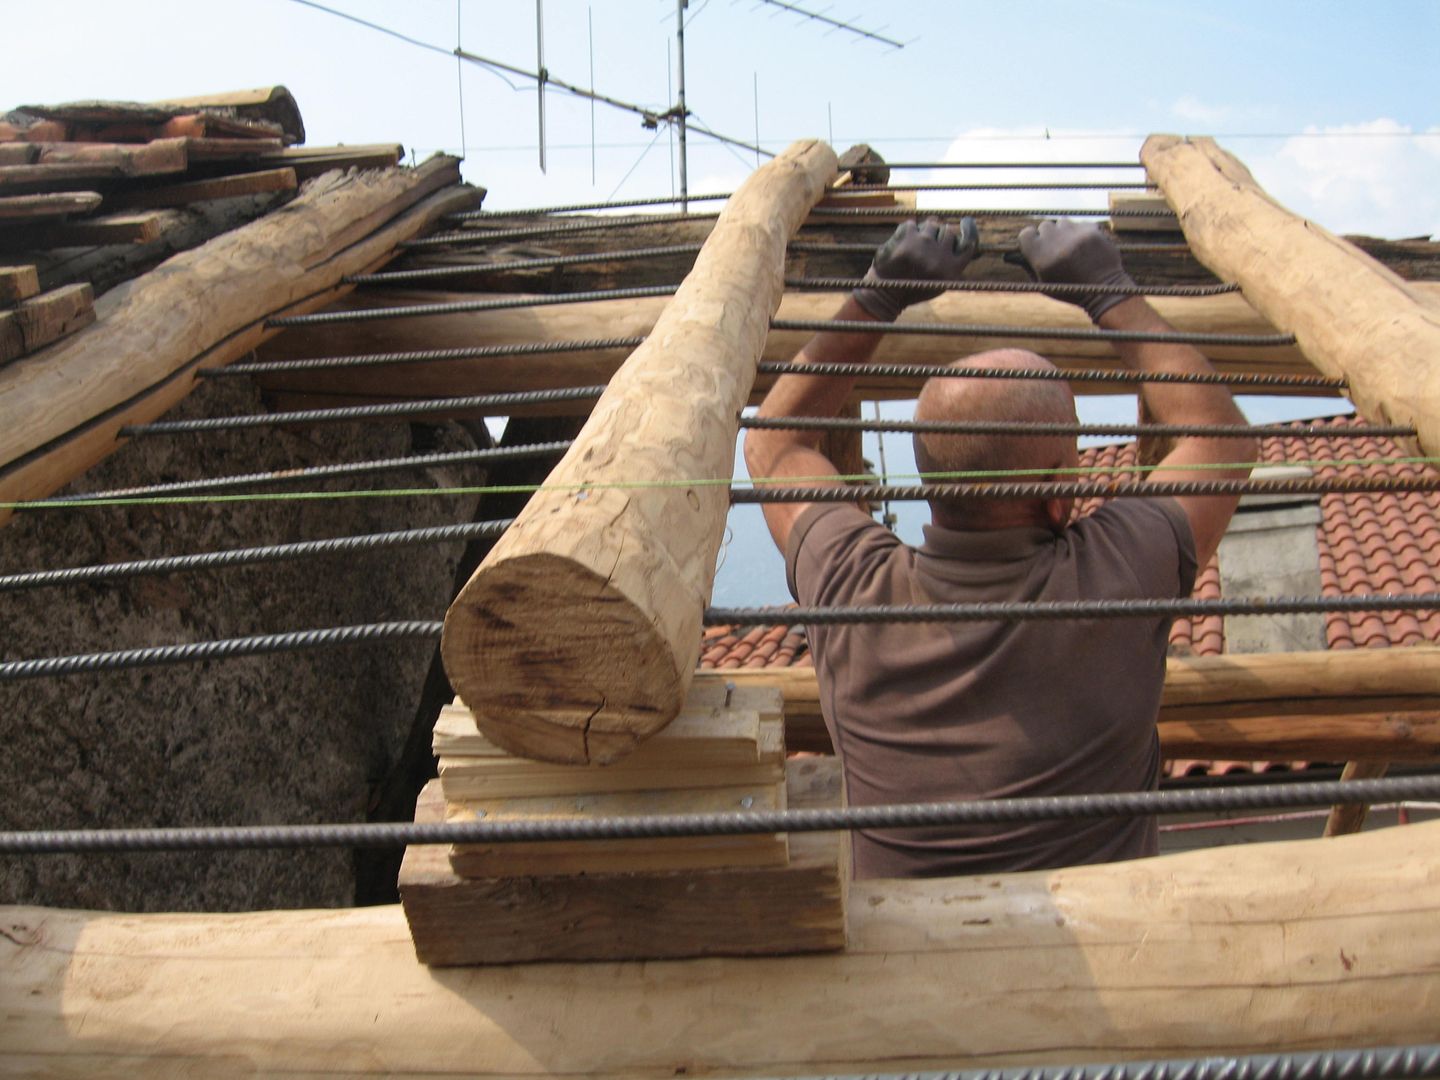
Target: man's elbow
758,454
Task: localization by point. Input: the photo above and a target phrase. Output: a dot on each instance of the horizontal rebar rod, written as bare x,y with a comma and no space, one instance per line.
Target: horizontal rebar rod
249,556
941,371
822,247
328,472
1049,289
1000,611
420,356
731,823
393,277
390,410
612,204
1039,333
408,311
1009,165
1029,428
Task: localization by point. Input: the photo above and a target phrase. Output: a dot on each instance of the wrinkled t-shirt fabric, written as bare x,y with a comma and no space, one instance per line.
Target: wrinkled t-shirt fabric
967,710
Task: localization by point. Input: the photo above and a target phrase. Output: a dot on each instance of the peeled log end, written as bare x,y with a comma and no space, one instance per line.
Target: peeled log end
529,646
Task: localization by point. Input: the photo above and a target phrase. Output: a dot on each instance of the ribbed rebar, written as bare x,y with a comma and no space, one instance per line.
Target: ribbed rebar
487,236
249,556
395,277
930,371
1082,489
1010,165
390,410
835,284
326,472
1030,428
421,356
736,823
568,208
824,247
1039,333
408,311
867,212
224,649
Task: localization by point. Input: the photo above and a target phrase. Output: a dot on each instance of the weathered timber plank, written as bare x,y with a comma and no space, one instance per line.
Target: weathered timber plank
1246,949
1353,318
18,283
271,103
65,165
142,227
141,360
223,187
623,575
37,322
26,209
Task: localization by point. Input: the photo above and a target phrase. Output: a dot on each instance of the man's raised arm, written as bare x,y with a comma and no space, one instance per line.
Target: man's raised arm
1069,252
925,252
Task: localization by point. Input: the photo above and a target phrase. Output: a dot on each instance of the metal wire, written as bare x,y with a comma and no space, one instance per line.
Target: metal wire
393,277
328,318
326,472
1378,1063
392,410
1055,610
930,371
841,326
1082,489
421,356
736,823
1056,289
215,560
1027,427
224,649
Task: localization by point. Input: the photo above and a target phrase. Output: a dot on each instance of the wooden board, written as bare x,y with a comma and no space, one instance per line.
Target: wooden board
1250,949
623,574
222,187
273,103
141,227
43,319
308,161
18,283
63,165
620,856
212,149
141,359
31,208
740,911
1353,318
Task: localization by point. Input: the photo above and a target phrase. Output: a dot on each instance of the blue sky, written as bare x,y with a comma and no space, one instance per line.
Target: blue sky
1335,106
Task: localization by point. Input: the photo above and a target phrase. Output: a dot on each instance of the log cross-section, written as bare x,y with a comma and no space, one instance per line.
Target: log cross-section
578,635
1352,317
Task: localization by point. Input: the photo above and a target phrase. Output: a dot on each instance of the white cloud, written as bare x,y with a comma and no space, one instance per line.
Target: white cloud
1191,108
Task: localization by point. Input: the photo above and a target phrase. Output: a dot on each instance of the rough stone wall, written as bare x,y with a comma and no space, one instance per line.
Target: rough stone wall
299,737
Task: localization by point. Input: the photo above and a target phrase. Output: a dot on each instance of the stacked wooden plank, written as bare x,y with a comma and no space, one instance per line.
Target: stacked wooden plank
30,320
97,173
592,899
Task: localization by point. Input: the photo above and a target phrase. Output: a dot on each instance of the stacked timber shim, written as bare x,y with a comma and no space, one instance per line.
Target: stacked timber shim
578,635
628,899
1353,318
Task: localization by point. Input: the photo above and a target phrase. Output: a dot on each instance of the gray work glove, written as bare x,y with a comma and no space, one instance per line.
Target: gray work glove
925,252
1067,252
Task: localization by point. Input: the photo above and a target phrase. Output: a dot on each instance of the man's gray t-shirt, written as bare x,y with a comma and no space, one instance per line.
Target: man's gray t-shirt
943,711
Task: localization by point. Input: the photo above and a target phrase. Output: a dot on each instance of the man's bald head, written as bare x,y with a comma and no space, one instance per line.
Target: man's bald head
1030,400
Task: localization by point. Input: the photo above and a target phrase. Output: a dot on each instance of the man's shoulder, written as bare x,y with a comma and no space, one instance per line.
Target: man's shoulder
830,541
1149,537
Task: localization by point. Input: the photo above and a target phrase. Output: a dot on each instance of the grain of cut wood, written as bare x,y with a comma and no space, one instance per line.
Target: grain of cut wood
523,859
65,165
651,915
1348,818
43,319
1124,200
223,187
18,283
139,360
623,575
1353,318
621,318
142,227
308,161
25,209
1247,949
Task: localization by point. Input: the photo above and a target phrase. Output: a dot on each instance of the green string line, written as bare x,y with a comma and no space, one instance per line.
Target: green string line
652,485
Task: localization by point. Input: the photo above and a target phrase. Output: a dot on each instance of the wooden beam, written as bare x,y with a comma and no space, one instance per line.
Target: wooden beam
51,165
37,322
1245,949
32,208
1370,704
18,283
222,187
68,403
623,575
620,318
1353,318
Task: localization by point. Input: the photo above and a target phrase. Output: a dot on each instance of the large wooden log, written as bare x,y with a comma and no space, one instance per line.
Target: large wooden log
66,404
1306,944
620,318
1366,704
578,635
1353,317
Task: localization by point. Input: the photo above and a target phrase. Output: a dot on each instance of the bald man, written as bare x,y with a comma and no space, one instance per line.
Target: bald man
945,711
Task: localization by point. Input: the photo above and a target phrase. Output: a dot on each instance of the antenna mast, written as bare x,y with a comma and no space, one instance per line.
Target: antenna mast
680,6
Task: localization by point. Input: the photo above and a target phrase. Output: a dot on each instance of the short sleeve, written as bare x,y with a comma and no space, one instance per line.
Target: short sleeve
1153,539
833,547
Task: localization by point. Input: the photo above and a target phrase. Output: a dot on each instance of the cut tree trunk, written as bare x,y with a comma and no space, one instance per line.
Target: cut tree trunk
578,635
